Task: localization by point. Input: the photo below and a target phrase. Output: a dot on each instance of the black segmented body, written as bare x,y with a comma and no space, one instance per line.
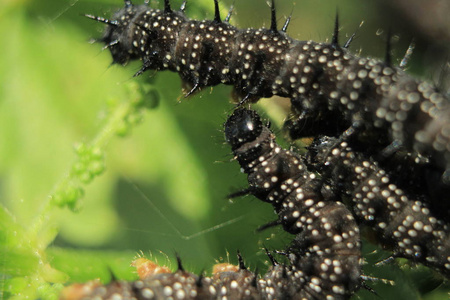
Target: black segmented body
323,80
178,285
281,282
403,223
326,233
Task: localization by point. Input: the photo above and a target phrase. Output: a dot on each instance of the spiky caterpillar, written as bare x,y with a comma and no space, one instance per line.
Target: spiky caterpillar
387,107
325,230
402,223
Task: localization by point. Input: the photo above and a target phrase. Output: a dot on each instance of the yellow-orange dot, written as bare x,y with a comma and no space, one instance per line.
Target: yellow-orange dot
146,268
224,267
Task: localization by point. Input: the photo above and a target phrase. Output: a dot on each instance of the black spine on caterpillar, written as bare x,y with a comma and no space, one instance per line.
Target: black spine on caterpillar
325,254
323,80
403,224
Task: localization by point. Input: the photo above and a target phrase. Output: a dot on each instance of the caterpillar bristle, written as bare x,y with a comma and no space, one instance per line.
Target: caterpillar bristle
199,281
183,6
230,13
273,18
109,45
128,3
179,263
352,36
286,24
335,38
217,12
240,193
271,258
102,20
241,261
167,8
268,225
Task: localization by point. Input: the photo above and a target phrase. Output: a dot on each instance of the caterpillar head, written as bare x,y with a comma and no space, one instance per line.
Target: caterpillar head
115,35
243,126
140,32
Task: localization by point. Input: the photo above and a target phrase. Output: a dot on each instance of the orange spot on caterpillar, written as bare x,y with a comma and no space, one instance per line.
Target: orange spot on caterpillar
146,268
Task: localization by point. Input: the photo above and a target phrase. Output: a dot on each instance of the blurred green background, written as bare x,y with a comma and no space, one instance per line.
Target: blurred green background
165,183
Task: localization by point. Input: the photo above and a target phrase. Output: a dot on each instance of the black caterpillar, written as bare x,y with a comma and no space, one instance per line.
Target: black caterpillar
402,224
386,109
324,258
